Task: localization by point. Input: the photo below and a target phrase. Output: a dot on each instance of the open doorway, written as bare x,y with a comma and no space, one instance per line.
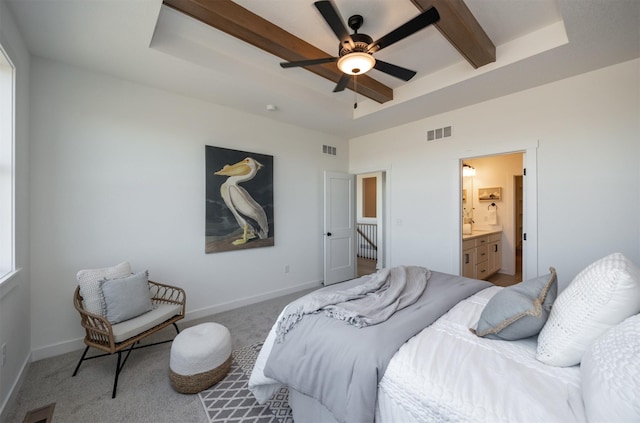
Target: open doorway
492,215
369,222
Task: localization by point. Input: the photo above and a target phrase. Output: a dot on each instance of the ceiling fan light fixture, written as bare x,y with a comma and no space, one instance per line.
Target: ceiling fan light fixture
356,63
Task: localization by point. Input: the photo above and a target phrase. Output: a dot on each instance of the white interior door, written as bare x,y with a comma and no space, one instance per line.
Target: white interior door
339,227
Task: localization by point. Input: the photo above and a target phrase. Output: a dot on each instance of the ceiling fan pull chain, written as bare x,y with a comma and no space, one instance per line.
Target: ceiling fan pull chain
355,91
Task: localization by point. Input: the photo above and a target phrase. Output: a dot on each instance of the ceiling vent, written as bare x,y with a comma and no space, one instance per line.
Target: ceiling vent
439,133
327,149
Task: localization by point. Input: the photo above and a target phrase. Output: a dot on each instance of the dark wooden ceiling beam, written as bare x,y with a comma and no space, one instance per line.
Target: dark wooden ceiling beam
458,25
241,23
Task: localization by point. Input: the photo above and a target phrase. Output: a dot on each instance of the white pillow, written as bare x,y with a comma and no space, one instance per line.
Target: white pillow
610,371
89,282
604,294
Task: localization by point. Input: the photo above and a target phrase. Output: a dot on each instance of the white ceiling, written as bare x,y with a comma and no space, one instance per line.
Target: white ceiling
537,41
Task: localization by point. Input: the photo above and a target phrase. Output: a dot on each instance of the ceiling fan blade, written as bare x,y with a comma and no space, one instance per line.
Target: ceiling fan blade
421,21
393,70
309,62
332,17
342,83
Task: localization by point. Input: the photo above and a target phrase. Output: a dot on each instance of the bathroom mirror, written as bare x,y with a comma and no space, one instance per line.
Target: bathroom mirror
467,199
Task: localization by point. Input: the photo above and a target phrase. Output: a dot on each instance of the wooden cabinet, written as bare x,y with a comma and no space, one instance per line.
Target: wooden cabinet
494,248
481,255
482,264
469,258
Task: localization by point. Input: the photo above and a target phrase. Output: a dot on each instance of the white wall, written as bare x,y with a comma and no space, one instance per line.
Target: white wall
118,174
587,130
14,293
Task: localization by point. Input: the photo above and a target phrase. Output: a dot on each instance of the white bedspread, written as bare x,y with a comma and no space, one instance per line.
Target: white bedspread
445,373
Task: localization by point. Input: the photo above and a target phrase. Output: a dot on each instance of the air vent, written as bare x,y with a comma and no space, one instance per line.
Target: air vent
439,133
327,149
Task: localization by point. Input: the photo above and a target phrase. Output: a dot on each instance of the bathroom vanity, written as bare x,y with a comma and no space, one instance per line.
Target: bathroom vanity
481,254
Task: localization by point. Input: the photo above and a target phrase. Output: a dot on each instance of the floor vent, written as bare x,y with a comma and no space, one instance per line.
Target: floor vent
439,133
327,149
40,415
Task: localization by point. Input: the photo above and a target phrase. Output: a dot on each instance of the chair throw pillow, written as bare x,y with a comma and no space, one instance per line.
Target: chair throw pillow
89,282
601,296
518,311
610,371
126,298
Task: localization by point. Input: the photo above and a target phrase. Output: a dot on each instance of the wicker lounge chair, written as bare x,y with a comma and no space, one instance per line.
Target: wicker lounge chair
168,307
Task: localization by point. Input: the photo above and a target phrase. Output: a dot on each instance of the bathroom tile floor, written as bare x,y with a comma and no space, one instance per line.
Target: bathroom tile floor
500,279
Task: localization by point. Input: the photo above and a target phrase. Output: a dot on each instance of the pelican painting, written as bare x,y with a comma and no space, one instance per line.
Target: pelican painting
239,200
249,214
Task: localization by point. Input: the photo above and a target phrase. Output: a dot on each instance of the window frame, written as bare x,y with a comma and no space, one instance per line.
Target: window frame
7,166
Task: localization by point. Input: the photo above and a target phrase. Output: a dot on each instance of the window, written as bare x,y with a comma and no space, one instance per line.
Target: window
7,103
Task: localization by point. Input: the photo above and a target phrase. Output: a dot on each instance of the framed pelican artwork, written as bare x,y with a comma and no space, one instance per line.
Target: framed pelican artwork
239,200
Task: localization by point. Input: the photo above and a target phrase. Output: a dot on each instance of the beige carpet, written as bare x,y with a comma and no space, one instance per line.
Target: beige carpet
144,392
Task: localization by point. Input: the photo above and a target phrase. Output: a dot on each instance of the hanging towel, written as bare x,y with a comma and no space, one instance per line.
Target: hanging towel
493,217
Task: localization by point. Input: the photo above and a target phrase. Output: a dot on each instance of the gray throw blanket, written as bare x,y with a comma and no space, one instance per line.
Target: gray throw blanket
373,301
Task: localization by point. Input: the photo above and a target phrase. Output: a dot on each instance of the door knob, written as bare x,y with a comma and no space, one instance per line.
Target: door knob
328,233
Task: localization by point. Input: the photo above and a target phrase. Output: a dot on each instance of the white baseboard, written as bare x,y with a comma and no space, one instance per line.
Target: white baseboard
60,348
54,350
219,308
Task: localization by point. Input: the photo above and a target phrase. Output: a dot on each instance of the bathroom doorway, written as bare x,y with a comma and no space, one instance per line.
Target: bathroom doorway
492,205
370,189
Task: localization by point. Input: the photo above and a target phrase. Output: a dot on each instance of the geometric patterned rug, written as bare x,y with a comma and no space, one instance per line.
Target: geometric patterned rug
230,400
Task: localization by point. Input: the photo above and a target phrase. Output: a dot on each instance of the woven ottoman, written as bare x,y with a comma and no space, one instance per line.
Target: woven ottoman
200,357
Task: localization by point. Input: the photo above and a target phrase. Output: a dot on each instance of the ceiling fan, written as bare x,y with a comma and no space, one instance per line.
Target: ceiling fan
355,52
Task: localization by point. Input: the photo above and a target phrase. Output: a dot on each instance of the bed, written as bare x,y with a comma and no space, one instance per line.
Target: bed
520,354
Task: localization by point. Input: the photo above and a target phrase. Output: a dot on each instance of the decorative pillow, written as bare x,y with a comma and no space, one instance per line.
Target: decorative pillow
610,372
126,298
89,282
602,295
518,311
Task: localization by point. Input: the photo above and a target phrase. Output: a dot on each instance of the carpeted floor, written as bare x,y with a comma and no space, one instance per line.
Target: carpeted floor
231,401
144,392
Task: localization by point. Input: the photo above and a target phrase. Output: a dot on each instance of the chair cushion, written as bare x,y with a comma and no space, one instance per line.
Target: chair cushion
89,282
126,297
518,311
602,295
132,327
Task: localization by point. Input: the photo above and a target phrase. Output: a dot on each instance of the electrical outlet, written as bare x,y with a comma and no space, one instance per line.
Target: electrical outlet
286,268
4,354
